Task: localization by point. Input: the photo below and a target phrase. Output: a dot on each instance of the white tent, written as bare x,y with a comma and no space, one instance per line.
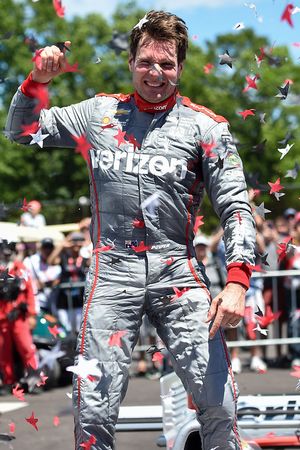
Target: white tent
19,233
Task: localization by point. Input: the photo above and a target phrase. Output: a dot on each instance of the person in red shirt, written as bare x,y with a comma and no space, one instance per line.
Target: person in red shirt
17,315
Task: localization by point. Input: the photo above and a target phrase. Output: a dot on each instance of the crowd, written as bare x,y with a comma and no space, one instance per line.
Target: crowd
43,269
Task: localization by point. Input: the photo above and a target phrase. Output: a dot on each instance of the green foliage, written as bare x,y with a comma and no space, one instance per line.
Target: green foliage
61,175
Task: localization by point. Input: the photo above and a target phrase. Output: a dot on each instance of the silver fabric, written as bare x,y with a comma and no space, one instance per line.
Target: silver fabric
163,183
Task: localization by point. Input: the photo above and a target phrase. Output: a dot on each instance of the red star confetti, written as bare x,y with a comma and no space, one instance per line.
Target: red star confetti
283,249
33,421
268,318
32,128
132,140
37,59
54,331
43,380
88,444
85,368
138,223
260,57
208,68
18,392
141,247
42,95
115,338
251,83
59,8
157,357
12,427
246,113
178,293
103,248
70,67
207,147
83,146
198,223
169,261
275,187
287,13
24,206
120,137
56,421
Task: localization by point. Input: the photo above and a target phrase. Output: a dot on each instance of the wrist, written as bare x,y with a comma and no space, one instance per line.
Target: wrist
42,79
29,87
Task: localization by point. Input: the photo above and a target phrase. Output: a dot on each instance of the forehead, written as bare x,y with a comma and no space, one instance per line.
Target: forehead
158,50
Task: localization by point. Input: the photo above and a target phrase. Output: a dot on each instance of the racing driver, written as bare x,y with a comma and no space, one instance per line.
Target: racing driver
151,155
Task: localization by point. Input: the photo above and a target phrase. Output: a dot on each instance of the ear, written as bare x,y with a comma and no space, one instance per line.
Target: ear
130,63
180,69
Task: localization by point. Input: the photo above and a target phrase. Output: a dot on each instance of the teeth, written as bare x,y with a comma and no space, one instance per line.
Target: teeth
153,84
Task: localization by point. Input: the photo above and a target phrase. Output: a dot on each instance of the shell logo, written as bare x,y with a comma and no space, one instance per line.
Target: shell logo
105,120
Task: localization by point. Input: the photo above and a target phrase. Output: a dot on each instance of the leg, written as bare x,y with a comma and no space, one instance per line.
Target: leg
24,344
6,353
203,365
108,308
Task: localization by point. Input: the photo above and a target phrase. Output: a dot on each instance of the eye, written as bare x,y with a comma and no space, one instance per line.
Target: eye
167,66
143,64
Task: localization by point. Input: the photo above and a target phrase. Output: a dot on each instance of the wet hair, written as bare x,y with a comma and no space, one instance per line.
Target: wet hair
162,26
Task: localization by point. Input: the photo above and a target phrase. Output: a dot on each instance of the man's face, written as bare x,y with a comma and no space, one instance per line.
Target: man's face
155,69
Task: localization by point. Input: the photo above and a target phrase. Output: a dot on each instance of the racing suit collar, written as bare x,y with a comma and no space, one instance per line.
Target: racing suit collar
153,108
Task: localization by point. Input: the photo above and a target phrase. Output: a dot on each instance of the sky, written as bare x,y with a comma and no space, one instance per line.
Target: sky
208,18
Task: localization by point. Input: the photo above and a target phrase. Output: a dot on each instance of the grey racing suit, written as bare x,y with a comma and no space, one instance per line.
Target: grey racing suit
148,172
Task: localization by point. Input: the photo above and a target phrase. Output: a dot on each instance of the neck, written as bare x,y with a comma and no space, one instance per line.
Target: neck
145,106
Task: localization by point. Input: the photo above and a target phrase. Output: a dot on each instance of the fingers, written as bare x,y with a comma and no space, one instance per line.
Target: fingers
213,308
50,57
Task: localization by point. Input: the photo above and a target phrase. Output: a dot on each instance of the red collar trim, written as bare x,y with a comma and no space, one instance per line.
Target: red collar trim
153,108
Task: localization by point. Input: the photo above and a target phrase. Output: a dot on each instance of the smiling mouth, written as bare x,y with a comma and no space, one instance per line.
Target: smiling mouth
153,84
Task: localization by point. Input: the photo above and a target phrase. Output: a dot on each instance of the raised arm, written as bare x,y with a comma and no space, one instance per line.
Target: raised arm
59,123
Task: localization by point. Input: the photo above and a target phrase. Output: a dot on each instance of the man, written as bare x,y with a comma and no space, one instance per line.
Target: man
149,163
32,217
17,315
44,276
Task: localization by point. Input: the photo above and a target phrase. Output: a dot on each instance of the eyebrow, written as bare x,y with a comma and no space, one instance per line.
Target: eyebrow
151,61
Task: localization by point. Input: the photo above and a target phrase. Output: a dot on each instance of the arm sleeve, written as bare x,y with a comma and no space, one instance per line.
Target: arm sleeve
226,187
59,123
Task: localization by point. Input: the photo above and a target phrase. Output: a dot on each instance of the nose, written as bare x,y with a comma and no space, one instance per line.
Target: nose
156,71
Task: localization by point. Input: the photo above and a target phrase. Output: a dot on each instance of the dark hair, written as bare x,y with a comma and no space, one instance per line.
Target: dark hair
161,26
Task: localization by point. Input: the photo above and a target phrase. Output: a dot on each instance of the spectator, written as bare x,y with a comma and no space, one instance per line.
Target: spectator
86,250
282,228
73,269
32,217
292,290
17,316
44,275
289,214
209,260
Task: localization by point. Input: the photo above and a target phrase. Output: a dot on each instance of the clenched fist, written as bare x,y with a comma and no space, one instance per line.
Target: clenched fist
49,63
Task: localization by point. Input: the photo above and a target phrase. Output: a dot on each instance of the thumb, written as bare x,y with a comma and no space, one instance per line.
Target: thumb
67,45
